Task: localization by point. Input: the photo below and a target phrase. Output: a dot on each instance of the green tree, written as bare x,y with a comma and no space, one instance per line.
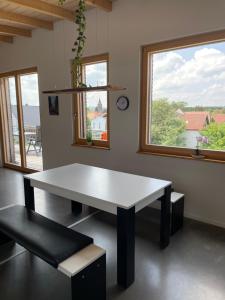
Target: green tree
167,127
178,105
216,136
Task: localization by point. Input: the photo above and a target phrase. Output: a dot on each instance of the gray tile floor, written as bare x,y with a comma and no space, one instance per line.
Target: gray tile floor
192,268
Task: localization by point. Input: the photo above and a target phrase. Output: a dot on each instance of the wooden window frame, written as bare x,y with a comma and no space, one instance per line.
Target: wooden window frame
3,119
78,99
147,52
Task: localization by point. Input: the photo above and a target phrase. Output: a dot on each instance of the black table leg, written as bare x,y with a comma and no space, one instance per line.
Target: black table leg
125,246
4,239
165,218
29,194
76,207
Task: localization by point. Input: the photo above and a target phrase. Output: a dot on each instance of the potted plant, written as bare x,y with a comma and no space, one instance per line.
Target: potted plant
201,140
79,44
89,137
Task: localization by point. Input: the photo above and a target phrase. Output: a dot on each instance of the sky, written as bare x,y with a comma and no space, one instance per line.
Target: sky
195,75
29,90
96,75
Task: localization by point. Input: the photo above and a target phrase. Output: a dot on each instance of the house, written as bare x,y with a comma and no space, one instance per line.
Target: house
106,201
218,118
99,125
98,120
195,121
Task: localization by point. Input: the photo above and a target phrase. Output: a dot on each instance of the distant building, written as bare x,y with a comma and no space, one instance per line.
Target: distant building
99,123
179,112
99,107
218,118
195,121
98,119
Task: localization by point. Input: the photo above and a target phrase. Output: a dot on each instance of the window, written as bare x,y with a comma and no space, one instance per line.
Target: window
183,97
92,108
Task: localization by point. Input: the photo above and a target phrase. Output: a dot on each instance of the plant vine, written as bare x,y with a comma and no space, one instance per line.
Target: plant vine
79,44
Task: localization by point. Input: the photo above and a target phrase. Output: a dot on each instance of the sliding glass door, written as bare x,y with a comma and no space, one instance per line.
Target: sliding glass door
11,125
20,120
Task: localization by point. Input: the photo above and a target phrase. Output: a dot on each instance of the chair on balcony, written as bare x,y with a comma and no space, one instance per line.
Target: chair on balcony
35,141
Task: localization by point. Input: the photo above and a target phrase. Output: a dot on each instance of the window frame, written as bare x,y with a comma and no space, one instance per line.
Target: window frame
147,52
77,103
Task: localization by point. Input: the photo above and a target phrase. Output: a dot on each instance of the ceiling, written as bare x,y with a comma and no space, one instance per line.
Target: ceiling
20,17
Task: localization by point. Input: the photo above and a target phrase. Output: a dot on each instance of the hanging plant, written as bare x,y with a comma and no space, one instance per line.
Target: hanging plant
79,44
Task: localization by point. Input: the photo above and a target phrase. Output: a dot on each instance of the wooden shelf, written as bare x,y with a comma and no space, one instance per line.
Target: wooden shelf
107,88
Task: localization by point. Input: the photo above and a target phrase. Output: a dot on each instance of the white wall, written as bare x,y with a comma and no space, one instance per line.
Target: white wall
121,33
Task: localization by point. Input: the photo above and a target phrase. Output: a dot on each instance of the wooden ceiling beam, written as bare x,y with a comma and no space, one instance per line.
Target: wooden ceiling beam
15,31
6,39
106,5
21,19
45,8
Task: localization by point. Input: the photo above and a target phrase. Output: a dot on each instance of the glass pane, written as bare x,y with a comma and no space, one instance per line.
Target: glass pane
31,120
96,74
12,127
95,103
188,103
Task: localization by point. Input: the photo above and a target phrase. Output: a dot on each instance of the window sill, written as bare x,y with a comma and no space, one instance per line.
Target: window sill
146,152
20,169
91,146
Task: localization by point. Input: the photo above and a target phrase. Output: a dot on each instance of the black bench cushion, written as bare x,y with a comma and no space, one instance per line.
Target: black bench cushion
45,238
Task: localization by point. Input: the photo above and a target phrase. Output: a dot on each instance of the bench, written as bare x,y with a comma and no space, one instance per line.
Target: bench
72,253
177,211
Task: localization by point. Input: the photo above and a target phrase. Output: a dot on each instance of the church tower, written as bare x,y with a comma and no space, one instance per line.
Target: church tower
99,107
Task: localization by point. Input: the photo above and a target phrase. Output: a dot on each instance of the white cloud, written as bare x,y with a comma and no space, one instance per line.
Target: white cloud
29,90
96,74
198,80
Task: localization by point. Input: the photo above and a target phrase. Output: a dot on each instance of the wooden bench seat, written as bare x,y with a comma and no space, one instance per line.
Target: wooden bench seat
72,253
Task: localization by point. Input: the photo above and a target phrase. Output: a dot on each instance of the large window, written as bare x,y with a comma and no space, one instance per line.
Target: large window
92,108
183,97
20,128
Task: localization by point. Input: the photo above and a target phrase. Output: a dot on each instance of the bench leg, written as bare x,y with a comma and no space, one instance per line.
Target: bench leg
90,284
29,194
165,218
125,246
4,239
177,215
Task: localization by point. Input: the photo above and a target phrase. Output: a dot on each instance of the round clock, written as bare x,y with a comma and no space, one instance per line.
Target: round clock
122,103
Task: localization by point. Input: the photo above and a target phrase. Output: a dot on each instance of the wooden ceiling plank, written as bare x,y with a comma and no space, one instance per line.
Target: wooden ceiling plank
106,5
6,39
46,8
15,31
21,19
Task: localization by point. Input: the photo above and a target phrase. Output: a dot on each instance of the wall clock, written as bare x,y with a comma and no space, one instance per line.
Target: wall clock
122,103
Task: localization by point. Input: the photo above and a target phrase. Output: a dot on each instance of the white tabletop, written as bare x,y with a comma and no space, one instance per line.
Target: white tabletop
100,188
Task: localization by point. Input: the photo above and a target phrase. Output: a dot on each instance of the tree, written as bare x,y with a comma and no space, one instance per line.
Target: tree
166,126
216,136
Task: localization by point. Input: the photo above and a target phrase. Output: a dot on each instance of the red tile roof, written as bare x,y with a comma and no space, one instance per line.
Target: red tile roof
195,120
93,115
219,118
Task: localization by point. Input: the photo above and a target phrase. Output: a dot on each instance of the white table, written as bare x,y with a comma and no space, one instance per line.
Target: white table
118,193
